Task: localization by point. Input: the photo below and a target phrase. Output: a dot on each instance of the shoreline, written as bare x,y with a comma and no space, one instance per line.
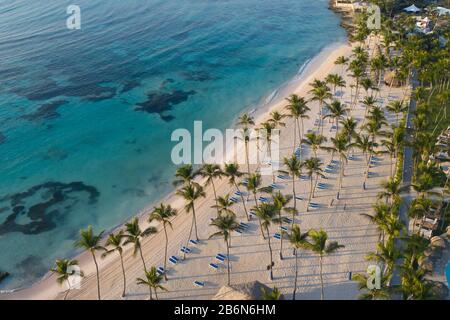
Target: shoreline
46,287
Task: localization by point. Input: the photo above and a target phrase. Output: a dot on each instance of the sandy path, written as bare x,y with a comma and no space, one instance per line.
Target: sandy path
249,252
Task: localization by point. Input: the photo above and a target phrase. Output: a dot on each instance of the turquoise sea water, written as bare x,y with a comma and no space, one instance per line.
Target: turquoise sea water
86,115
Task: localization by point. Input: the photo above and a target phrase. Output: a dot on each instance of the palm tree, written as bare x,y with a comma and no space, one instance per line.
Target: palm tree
315,141
337,111
190,195
115,240
152,281
349,127
371,293
225,223
134,234
336,81
387,254
63,268
254,183
367,85
397,107
391,190
294,169
91,242
163,214
232,172
210,172
184,175
419,208
369,102
313,167
280,201
245,121
321,94
340,145
267,214
267,129
276,119
357,73
319,245
341,60
381,211
298,109
274,294
298,241
224,205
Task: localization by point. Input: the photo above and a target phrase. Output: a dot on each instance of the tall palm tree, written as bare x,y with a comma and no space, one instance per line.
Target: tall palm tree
280,201
184,175
190,195
379,216
342,61
320,245
357,74
253,185
277,119
152,280
321,94
313,168
387,254
211,172
337,111
224,205
115,241
294,169
340,145
134,234
267,213
232,172
298,241
91,242
369,102
335,81
163,214
349,126
397,107
225,223
298,109
267,129
315,141
367,85
365,144
245,121
371,293
391,190
63,268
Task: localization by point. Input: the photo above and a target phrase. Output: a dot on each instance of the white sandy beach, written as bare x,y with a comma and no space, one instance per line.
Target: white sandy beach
249,252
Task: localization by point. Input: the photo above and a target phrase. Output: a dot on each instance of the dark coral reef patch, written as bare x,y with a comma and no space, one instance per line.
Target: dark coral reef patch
36,210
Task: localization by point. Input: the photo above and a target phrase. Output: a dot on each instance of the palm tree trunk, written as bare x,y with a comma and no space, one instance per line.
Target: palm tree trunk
296,274
142,258
260,223
165,251
247,157
367,170
98,275
271,258
68,289
295,200
150,291
310,192
195,222
156,294
295,135
243,201
321,278
189,238
215,195
301,132
341,173
281,233
123,274
228,262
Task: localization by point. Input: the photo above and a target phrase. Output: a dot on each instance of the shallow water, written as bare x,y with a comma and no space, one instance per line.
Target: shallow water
86,115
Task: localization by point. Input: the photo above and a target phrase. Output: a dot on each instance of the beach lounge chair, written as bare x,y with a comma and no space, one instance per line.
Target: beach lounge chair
352,158
233,199
283,228
194,242
335,162
199,284
160,270
214,266
264,199
243,225
238,193
321,186
313,205
245,182
273,186
277,236
283,177
299,198
220,257
185,249
287,220
304,178
238,231
173,260
371,174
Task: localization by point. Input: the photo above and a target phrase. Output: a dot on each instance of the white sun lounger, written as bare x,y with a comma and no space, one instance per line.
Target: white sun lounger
277,236
214,266
199,284
194,242
173,260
